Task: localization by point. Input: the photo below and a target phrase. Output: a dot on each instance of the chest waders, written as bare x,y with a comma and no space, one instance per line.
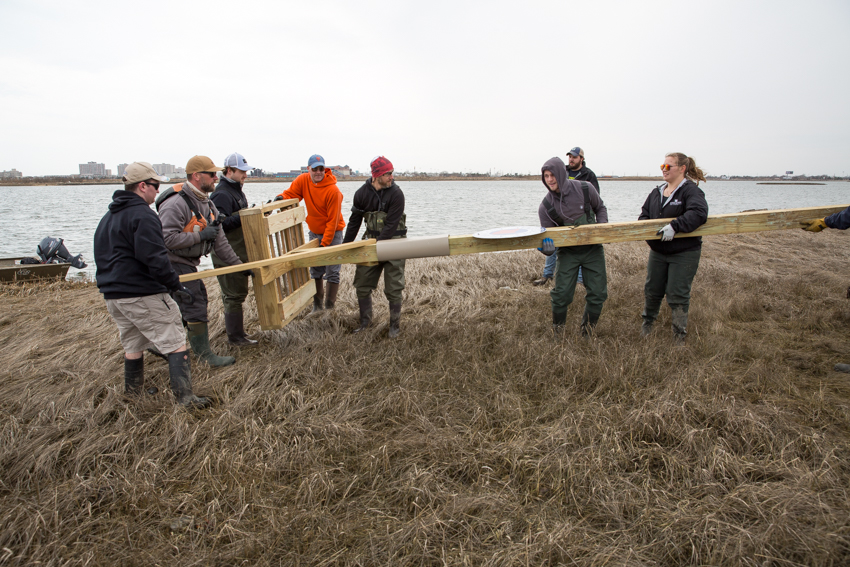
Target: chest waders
591,257
375,221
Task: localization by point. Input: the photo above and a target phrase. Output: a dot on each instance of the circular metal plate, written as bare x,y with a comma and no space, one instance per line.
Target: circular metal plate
510,232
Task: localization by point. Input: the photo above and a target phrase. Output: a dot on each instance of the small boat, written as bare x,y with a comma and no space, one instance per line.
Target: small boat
11,270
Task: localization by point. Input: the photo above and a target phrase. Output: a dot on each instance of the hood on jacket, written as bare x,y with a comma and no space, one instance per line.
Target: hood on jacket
122,199
328,179
556,166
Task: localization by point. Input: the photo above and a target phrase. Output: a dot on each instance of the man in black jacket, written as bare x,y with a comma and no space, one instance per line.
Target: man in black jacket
134,275
229,200
576,169
380,203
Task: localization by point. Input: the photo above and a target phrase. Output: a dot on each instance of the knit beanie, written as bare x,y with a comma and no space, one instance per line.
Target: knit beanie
380,165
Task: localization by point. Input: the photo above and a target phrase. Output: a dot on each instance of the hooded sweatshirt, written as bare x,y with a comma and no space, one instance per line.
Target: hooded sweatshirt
323,201
568,200
129,250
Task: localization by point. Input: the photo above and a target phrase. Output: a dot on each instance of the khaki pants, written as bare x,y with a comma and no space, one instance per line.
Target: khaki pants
148,321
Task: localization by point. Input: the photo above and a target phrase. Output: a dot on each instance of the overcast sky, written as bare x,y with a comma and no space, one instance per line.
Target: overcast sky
746,87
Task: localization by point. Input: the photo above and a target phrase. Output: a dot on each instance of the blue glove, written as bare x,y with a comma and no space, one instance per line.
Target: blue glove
666,233
548,247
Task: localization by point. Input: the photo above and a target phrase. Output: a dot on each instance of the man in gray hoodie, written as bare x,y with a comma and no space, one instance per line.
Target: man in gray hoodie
573,203
191,227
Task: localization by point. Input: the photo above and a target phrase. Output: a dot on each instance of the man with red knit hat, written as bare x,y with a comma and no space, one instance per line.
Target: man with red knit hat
380,203
323,200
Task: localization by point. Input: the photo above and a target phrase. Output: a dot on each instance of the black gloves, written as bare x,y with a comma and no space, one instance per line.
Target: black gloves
183,295
278,198
210,232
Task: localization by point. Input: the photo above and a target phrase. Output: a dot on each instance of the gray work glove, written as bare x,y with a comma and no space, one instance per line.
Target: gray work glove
183,295
210,232
666,233
548,247
278,198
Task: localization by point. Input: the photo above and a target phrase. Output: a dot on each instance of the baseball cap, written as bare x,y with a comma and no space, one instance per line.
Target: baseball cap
315,161
201,163
141,171
237,161
576,151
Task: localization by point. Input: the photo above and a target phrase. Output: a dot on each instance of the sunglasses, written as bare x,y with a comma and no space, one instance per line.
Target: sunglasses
210,173
667,167
154,185
318,168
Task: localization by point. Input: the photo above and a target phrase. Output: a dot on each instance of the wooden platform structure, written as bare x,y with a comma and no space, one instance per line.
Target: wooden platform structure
279,283
271,232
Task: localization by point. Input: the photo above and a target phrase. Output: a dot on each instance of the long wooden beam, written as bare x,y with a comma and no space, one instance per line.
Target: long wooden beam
366,250
304,256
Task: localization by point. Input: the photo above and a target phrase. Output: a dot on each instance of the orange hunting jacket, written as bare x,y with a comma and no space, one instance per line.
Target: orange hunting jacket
323,201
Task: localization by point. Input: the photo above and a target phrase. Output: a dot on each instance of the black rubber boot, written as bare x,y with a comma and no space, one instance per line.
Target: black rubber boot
199,340
181,381
320,294
559,322
395,318
588,323
235,327
680,324
330,300
365,304
134,376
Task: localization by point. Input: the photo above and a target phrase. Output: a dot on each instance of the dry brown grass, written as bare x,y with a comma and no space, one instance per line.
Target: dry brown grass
474,439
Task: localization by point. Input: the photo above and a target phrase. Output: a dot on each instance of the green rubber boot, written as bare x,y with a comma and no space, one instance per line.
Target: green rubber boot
199,339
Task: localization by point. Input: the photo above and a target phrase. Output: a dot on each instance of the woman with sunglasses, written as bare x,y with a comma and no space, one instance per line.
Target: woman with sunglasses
673,260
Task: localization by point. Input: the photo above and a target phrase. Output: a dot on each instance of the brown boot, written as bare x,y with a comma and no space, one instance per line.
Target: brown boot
365,304
330,300
235,328
320,294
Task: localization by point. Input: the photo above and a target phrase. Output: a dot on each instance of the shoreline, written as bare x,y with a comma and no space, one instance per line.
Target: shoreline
94,182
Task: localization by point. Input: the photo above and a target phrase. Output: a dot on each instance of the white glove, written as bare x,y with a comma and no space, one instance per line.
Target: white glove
666,233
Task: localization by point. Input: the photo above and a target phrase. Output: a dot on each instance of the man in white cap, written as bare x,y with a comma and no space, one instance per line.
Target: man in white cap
135,278
229,199
191,228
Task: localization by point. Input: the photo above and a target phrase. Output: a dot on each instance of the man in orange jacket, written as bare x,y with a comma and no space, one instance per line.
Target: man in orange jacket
323,200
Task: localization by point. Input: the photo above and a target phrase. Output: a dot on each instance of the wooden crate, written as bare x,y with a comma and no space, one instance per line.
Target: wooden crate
271,231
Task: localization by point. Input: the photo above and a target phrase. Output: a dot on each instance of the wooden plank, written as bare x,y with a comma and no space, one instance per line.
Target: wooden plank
285,219
257,246
754,221
295,302
351,253
274,206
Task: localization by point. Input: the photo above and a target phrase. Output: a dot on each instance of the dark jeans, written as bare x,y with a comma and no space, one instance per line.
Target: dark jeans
591,258
671,275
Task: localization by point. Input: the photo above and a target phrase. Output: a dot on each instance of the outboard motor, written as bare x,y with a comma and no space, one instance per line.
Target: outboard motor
52,251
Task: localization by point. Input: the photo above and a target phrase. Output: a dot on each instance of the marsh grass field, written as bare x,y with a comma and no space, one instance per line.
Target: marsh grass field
476,438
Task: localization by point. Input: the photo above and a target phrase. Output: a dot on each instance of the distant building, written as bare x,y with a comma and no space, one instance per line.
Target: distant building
341,170
165,168
92,169
109,173
121,168
10,174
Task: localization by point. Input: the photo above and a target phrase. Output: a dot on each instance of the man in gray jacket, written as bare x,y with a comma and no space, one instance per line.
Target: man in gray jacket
191,228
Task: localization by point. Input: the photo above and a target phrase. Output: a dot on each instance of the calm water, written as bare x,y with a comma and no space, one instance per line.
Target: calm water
28,214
